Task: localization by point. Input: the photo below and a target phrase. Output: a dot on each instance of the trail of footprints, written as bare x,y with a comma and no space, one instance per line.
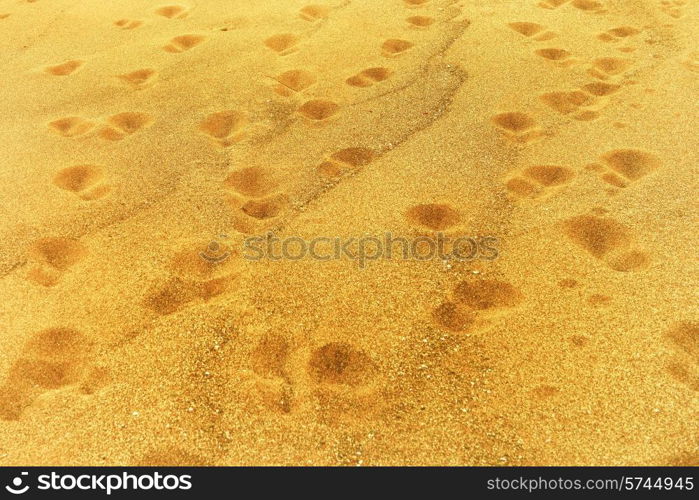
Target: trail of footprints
684,338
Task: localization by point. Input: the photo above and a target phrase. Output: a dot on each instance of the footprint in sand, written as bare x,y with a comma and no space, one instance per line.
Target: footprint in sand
51,257
317,110
293,81
433,216
71,126
65,69
691,61
684,338
314,12
172,11
50,360
346,383
581,105
128,24
197,274
4,16
369,76
256,192
183,43
124,124
618,33
225,128
604,68
552,4
607,240
473,301
534,31
345,161
560,56
589,6
140,78
269,360
420,21
539,181
673,8
415,3
394,47
620,167
283,43
85,181
517,126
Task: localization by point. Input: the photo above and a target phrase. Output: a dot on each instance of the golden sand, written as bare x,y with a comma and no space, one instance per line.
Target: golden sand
134,133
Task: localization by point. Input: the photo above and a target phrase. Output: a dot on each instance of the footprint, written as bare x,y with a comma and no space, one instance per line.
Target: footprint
295,80
606,67
139,78
284,43
600,89
225,128
178,293
83,180
345,160
4,16
203,263
673,8
65,69
589,5
253,182
567,102
172,11
553,54
265,208
691,62
51,359
318,109
616,34
624,166
532,30
394,47
684,336
472,301
71,126
539,180
415,3
606,240
420,21
433,216
124,124
261,185
128,24
53,256
183,43
340,363
552,4
314,12
369,77
518,127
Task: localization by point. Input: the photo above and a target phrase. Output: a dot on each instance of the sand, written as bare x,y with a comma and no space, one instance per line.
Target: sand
136,133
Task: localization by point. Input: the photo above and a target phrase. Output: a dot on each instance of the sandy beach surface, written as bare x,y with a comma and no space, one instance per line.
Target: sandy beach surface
142,143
